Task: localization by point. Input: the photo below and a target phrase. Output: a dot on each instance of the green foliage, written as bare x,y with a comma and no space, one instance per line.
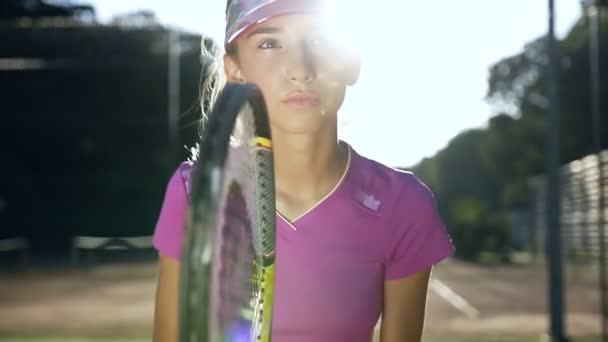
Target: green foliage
461,170
483,174
477,228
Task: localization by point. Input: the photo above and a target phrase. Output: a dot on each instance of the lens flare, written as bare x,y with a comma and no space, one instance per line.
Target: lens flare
346,23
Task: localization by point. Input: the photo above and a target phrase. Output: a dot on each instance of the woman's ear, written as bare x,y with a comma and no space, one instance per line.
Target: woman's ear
232,69
344,66
353,71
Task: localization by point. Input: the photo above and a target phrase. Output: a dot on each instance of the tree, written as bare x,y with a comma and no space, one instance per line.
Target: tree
519,83
483,174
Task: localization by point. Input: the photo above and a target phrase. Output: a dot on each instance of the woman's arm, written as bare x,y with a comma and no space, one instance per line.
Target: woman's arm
167,301
404,308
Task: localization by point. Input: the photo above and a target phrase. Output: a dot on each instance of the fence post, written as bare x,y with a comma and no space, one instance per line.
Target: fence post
554,239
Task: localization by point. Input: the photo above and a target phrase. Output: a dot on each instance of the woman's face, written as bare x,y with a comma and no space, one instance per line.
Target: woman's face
302,73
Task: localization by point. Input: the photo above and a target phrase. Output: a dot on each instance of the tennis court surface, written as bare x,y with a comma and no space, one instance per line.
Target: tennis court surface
499,303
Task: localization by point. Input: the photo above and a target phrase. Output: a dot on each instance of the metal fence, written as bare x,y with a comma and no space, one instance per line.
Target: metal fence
580,209
582,223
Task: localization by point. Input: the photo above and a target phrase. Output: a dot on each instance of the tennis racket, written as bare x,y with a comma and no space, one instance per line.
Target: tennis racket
228,263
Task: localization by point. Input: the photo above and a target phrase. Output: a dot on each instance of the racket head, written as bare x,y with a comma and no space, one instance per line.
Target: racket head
227,268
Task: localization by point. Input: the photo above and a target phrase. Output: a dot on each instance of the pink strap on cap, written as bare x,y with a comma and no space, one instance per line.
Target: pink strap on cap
243,14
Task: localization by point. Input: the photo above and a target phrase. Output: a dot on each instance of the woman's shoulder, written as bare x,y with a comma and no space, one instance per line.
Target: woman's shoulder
415,234
168,234
398,186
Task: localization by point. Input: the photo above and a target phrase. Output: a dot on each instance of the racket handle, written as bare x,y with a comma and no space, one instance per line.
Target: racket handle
265,335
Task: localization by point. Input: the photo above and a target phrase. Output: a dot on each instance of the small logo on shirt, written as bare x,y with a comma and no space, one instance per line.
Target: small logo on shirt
369,201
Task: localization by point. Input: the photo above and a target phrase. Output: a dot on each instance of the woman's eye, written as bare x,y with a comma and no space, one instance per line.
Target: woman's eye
269,44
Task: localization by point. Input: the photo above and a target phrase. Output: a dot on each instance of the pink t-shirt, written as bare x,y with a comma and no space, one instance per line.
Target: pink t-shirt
378,224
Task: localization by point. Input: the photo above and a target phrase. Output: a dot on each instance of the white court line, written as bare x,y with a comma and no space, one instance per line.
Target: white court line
454,299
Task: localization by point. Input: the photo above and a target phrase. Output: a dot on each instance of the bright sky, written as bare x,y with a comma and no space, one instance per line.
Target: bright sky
424,72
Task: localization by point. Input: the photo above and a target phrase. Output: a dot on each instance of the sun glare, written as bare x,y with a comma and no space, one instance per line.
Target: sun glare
346,22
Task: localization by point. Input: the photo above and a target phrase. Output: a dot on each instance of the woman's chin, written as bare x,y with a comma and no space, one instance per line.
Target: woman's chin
303,124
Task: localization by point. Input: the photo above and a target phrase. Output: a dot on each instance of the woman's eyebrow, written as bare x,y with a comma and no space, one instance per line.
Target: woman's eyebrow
264,30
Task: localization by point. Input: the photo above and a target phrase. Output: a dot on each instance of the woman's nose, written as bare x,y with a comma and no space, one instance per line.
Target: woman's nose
302,66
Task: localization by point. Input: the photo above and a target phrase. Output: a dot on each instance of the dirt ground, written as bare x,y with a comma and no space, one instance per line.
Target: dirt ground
118,300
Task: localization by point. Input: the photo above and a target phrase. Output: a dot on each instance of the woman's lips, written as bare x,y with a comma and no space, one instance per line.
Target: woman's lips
302,99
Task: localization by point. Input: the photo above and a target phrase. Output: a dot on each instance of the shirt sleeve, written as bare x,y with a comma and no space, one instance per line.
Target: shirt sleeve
420,238
169,233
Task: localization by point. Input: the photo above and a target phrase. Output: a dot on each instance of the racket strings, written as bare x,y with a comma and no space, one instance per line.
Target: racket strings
228,281
239,275
236,255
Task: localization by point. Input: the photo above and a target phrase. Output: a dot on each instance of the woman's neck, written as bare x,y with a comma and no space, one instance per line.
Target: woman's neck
308,165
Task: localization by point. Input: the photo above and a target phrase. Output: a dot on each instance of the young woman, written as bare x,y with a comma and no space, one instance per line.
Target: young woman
356,240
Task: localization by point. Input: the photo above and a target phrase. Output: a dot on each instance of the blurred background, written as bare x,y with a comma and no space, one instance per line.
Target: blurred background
100,104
